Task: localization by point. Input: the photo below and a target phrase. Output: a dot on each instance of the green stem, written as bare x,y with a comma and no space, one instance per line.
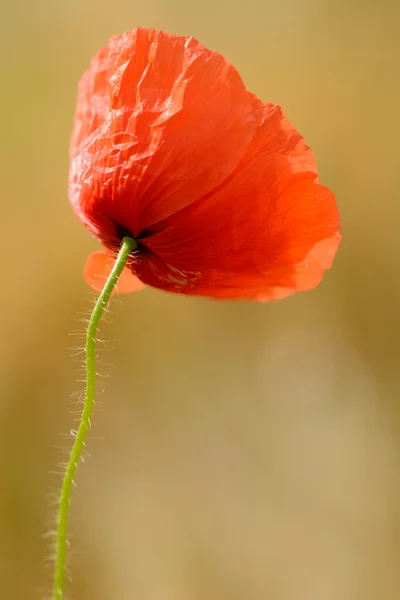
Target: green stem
128,244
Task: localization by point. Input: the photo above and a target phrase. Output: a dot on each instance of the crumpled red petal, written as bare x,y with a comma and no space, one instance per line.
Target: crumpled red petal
269,231
160,122
98,268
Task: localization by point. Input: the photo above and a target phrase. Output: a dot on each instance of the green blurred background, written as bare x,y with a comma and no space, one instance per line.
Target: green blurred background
238,451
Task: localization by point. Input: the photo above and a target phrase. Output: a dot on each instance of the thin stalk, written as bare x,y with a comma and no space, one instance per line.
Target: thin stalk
127,246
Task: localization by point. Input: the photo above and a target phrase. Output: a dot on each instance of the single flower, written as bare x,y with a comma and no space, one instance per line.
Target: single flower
219,190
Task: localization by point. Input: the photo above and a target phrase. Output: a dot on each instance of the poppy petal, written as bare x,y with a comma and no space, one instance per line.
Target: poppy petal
161,121
98,268
270,226
277,283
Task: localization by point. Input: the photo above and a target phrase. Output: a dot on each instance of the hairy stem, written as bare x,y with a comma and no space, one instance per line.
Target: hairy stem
128,244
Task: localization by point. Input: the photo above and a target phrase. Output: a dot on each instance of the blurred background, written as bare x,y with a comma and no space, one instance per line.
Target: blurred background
238,451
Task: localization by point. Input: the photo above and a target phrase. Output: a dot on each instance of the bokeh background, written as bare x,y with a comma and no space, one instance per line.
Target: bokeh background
238,451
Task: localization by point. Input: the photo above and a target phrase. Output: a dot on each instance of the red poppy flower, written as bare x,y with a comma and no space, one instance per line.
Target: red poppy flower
219,190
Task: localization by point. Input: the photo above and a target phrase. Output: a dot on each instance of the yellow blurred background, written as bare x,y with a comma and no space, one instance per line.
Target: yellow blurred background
238,451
